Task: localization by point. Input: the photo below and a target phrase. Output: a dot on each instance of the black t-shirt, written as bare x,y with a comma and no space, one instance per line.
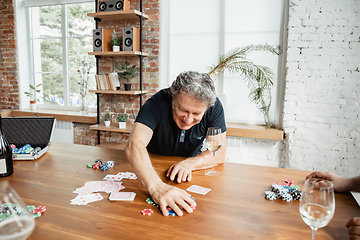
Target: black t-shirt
168,139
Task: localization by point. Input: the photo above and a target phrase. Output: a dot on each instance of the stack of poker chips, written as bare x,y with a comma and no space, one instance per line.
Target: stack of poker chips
27,148
286,191
99,164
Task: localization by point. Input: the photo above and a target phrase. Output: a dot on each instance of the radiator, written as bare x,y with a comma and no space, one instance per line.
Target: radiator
63,132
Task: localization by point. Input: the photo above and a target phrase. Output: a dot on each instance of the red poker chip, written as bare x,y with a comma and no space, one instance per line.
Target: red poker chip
147,212
39,209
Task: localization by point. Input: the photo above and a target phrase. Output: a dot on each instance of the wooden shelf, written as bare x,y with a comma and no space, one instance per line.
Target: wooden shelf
253,131
114,127
119,54
118,15
134,92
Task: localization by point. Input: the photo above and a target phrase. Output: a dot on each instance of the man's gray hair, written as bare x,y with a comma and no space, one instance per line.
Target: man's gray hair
196,84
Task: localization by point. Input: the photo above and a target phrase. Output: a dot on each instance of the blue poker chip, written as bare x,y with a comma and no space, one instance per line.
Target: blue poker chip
171,212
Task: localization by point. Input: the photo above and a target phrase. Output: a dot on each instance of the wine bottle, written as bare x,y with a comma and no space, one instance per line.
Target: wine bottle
6,158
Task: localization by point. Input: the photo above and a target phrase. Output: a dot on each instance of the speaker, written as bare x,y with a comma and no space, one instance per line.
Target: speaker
131,39
107,6
102,40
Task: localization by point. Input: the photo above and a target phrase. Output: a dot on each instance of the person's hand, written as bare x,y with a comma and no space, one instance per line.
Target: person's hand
353,226
166,195
340,184
182,170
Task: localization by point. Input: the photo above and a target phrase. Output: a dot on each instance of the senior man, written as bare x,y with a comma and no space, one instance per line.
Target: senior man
174,122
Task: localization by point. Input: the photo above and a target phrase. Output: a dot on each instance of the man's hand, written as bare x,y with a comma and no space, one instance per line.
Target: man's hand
353,226
166,195
340,184
182,169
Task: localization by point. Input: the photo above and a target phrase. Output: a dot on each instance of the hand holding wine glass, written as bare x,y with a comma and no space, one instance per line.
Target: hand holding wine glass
213,142
317,204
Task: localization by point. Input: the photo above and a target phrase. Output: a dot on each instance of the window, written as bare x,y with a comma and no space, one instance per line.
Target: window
195,33
61,37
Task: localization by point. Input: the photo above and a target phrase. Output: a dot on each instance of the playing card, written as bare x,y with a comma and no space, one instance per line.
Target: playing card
85,199
122,196
111,188
112,177
198,189
127,175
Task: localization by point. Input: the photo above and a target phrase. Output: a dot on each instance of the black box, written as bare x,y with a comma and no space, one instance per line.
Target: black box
36,131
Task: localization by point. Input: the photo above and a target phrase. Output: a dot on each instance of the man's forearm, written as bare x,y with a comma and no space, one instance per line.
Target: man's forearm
140,162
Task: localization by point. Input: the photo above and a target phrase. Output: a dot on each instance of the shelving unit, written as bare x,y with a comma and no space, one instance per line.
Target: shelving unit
109,16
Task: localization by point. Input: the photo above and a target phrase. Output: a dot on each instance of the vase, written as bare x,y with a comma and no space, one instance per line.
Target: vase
122,125
127,86
116,48
83,104
107,123
32,105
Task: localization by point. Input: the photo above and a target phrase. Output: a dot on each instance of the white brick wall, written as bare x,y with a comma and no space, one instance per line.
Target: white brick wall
322,93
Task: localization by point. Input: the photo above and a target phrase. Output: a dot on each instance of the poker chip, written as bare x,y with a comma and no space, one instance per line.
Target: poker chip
89,165
147,212
39,209
99,161
171,212
110,164
296,195
12,146
149,201
287,197
192,207
289,182
287,189
96,165
270,195
104,167
294,187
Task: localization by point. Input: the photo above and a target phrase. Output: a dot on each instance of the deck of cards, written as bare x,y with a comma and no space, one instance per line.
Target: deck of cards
198,189
122,196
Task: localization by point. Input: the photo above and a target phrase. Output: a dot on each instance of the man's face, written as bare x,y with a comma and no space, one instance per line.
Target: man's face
187,111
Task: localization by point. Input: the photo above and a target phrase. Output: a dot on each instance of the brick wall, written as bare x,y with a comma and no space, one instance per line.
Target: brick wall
127,103
322,95
9,86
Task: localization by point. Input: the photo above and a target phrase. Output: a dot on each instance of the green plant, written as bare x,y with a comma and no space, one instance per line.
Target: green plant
108,116
33,91
259,78
116,41
122,117
126,72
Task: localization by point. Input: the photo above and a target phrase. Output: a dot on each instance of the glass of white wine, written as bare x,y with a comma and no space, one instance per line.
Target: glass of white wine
317,204
16,222
213,142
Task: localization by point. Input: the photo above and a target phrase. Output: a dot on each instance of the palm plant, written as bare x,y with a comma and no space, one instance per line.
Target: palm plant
259,78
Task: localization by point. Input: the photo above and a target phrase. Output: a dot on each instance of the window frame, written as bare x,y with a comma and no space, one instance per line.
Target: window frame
23,23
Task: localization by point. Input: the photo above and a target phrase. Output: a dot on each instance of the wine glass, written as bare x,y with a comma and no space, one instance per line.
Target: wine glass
317,203
16,222
213,142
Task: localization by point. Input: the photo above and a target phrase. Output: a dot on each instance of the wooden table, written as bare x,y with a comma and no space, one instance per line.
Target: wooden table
234,209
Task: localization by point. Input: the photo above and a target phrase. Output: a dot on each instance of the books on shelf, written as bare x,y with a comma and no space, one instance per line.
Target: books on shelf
107,81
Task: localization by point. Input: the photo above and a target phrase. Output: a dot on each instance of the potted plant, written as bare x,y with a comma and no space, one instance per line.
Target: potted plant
32,95
107,117
122,118
127,73
116,42
259,78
